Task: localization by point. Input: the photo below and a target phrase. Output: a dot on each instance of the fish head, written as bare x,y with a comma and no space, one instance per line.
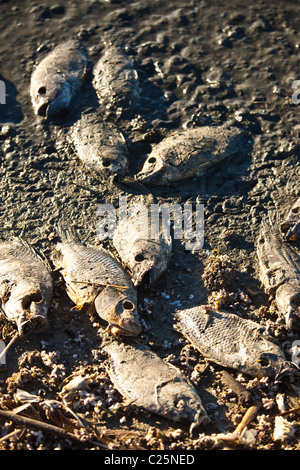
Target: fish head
149,261
267,359
156,170
119,310
28,311
113,165
50,99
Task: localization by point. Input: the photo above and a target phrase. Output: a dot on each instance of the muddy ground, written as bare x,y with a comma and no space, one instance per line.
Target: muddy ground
200,62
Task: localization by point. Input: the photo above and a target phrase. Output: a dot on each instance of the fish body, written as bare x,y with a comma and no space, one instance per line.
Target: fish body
26,286
57,78
101,146
190,152
290,227
116,81
231,341
279,267
146,258
94,277
144,378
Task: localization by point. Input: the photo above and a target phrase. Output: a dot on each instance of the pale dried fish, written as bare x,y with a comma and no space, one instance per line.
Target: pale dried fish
57,78
279,266
26,286
92,276
190,152
231,341
150,383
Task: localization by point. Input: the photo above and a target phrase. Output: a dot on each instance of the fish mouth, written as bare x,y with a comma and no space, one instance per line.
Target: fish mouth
43,110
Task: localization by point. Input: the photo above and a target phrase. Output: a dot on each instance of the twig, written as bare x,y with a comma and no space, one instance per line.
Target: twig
247,418
292,410
46,427
9,435
99,284
9,345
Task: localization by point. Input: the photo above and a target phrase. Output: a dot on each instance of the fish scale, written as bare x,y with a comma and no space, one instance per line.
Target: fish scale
231,341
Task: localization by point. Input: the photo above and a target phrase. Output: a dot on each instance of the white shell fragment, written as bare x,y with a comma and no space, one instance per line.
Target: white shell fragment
283,429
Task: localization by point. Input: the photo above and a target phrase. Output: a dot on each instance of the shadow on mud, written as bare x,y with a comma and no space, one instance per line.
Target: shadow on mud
10,108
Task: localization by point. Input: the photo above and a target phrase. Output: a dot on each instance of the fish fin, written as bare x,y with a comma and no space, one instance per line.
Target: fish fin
41,256
66,234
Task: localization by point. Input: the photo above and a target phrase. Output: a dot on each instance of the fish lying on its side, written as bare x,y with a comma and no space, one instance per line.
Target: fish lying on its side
93,277
231,341
99,145
150,383
146,258
57,78
290,227
116,81
190,152
26,286
279,268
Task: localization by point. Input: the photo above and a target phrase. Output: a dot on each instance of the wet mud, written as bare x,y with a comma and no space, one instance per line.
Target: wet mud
199,63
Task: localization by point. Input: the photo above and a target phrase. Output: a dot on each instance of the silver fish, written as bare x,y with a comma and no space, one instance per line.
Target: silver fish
26,286
279,267
190,152
142,376
93,277
116,81
290,227
146,258
57,78
231,341
101,146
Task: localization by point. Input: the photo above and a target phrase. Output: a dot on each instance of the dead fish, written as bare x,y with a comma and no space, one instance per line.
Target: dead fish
57,78
150,383
190,152
101,146
290,228
146,258
26,286
116,80
94,277
279,267
231,341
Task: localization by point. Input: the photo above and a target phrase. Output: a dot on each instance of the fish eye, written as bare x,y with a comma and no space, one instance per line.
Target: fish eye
152,160
106,162
295,210
42,90
139,257
128,305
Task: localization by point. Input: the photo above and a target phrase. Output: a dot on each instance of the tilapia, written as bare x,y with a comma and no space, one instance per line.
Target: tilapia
101,146
279,267
150,383
146,258
57,78
93,277
26,286
290,227
116,81
231,341
190,152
